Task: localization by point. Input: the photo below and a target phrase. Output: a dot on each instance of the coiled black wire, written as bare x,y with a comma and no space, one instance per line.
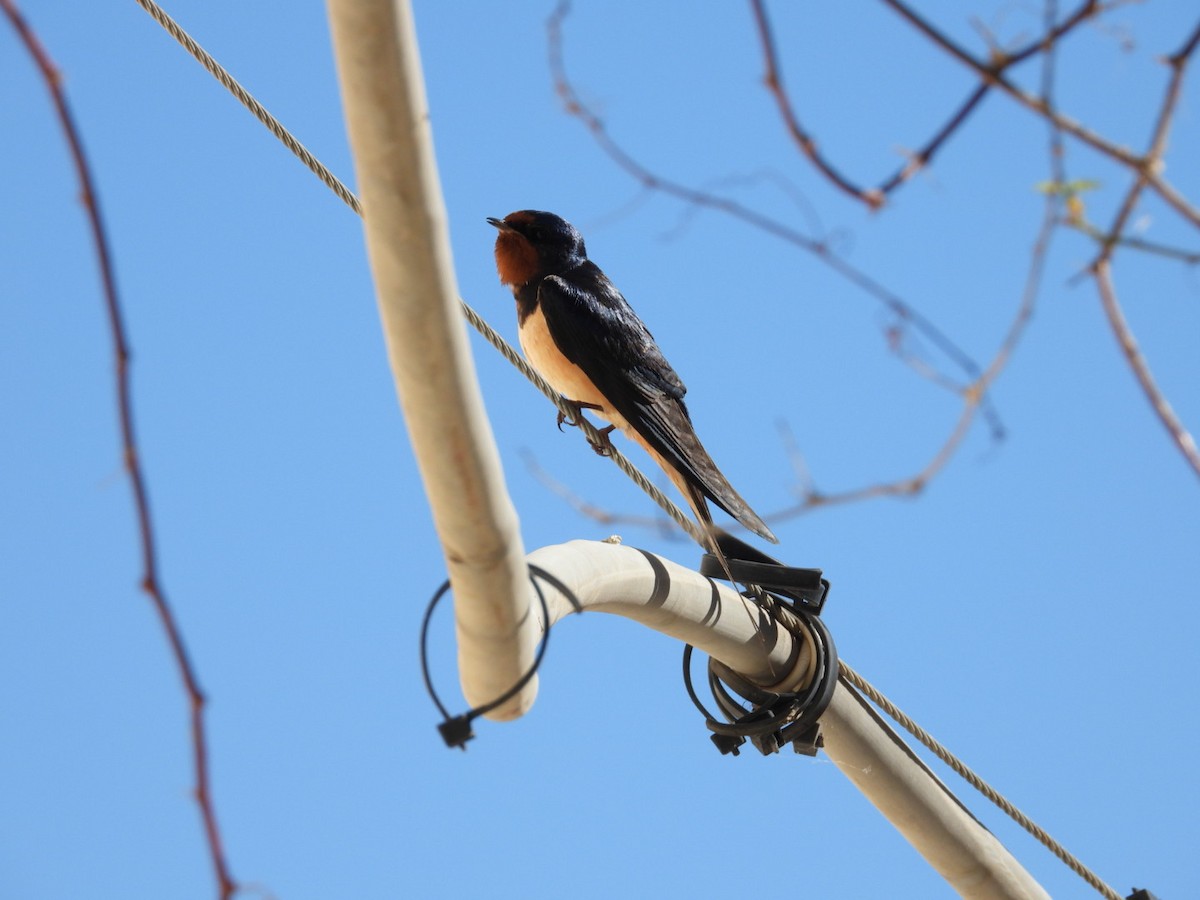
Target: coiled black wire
774,719
456,730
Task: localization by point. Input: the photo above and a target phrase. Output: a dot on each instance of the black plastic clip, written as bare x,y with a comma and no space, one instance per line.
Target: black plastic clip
810,741
805,587
456,731
774,719
728,743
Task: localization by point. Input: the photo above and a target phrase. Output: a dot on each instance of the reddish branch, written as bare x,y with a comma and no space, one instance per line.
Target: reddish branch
991,74
821,249
1102,273
919,160
773,78
1101,268
875,197
1178,254
150,581
1046,44
974,394
1147,171
810,497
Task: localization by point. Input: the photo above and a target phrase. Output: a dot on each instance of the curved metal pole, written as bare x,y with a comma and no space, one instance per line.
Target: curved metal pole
404,221
682,603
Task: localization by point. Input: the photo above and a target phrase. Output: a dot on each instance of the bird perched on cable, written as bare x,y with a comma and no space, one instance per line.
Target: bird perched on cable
584,338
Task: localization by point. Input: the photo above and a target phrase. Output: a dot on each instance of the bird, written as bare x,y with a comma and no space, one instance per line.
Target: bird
581,334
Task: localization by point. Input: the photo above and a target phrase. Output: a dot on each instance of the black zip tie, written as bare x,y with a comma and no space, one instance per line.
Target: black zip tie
456,730
803,587
775,719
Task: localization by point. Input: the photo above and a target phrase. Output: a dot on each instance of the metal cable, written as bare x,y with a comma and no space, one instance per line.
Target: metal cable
976,782
590,431
493,337
248,101
496,340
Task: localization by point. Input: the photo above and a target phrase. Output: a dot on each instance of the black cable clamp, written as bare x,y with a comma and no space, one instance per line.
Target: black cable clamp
456,730
805,588
775,719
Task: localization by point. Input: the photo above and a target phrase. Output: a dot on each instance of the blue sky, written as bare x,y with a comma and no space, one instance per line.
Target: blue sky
1034,607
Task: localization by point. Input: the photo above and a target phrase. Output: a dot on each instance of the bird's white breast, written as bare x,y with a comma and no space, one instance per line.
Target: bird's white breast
570,381
564,376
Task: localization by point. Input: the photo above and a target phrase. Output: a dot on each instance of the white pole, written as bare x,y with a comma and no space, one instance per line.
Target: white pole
408,248
404,221
914,800
669,598
684,604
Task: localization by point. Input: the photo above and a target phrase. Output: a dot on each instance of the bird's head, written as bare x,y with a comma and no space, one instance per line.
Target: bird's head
533,244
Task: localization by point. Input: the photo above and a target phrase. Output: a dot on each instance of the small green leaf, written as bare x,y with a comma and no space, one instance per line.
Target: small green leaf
1069,189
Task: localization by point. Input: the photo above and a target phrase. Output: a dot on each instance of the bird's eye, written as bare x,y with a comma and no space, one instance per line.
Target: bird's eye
537,233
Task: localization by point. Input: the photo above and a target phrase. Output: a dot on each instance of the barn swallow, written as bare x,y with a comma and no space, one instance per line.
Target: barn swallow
581,334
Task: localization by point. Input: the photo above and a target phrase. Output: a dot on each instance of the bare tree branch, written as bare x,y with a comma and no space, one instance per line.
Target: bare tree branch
992,73
1147,170
773,79
1054,33
972,396
150,580
907,314
876,197
810,497
662,524
919,160
1178,254
1101,272
1101,268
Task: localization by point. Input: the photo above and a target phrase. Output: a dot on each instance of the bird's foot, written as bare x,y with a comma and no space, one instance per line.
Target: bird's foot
577,407
604,446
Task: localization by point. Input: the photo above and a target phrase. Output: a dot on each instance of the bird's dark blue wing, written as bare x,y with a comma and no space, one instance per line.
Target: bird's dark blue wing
596,329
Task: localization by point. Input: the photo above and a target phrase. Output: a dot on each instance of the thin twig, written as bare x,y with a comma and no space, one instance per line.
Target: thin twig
992,73
1101,268
909,486
1151,162
1102,274
663,525
773,79
874,198
972,398
812,499
150,579
1147,173
1053,34
1056,153
820,249
919,160
1178,254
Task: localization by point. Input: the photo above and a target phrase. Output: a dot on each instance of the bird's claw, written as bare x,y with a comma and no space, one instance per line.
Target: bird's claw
604,446
577,407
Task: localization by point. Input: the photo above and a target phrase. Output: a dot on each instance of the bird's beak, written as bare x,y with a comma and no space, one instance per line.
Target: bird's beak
501,224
